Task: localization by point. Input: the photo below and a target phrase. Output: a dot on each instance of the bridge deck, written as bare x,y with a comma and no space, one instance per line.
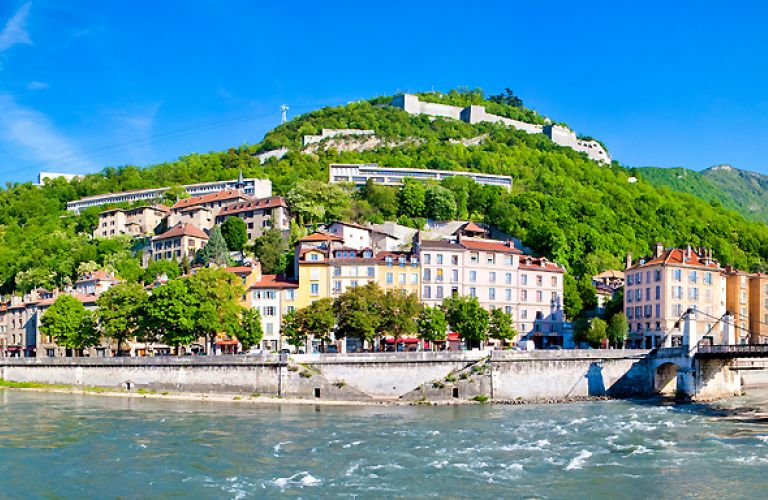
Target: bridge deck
733,351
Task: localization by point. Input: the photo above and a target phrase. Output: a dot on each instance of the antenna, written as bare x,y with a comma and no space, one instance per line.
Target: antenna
284,110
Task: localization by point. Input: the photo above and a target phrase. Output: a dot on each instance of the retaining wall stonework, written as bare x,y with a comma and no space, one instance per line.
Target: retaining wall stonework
432,376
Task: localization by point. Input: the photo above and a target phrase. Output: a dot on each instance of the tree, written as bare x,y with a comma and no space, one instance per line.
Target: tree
413,198
572,301
432,324
215,251
467,318
235,233
69,323
169,314
617,329
359,312
315,201
399,313
156,268
507,97
592,331
317,320
587,293
217,294
270,249
120,312
384,199
250,332
291,330
441,203
501,326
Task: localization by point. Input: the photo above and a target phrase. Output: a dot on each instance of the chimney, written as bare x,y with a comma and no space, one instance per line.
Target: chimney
629,260
659,249
688,251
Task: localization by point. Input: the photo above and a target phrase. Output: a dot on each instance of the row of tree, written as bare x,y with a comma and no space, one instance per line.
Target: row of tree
368,313
179,312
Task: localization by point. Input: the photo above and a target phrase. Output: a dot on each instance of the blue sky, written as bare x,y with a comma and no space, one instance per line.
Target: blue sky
87,84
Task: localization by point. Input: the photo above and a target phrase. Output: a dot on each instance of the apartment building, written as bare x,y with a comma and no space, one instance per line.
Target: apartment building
176,243
95,283
660,288
274,297
361,237
212,201
139,221
398,271
311,264
259,215
758,309
500,276
737,301
197,215
359,174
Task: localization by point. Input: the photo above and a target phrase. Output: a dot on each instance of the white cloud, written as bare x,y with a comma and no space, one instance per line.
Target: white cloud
35,85
15,31
30,135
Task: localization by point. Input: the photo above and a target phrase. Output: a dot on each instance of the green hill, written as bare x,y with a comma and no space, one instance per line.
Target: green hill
688,181
748,189
580,213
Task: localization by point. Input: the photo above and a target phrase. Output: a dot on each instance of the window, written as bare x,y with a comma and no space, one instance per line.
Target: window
508,260
677,275
401,261
390,278
270,329
401,278
337,287
289,309
539,296
508,278
439,259
508,294
508,309
539,280
707,278
473,276
693,293
677,310
638,295
554,281
628,296
269,294
439,293
474,257
314,257
427,258
638,278
414,278
388,260
427,275
648,293
657,275
491,294
269,311
454,260
492,277
630,280
524,279
524,314
314,289
658,292
367,254
473,292
539,315
427,292
523,295
677,292
491,259
439,275
692,276
371,272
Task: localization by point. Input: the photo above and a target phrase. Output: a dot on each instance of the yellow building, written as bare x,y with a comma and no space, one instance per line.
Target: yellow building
311,265
398,271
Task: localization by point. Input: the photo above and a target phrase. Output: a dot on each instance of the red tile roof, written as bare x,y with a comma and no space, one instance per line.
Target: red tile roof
489,246
677,256
239,269
539,264
182,230
320,236
259,204
96,276
274,281
227,194
473,228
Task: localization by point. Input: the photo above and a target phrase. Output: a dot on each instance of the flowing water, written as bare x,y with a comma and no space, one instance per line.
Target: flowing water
59,445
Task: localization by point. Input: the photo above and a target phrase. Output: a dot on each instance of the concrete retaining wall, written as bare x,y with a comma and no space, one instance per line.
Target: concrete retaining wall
358,377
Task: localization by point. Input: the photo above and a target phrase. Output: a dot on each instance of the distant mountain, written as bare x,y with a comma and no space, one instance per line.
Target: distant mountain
748,189
740,190
688,181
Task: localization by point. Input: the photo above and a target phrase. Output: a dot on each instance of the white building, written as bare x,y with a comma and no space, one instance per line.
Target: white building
359,174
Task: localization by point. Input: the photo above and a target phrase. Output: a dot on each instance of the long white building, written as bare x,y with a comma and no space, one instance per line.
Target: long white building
359,174
256,188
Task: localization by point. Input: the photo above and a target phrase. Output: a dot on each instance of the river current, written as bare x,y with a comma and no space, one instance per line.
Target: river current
79,446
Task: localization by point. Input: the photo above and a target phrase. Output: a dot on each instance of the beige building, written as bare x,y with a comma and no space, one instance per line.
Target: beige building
213,201
661,288
758,309
197,215
273,296
259,215
737,302
176,243
139,221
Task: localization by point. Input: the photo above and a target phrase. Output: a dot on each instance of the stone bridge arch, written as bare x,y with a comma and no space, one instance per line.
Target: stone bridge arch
665,378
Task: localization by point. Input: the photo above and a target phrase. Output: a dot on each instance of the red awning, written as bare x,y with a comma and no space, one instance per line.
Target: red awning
403,340
453,336
226,342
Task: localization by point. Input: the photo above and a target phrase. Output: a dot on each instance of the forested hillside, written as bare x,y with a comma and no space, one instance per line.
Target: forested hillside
748,189
688,181
579,213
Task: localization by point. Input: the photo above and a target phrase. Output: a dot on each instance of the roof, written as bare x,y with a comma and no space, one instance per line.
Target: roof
320,236
490,246
226,194
82,297
610,273
677,256
274,281
158,207
440,245
182,230
96,276
239,269
536,264
258,204
473,228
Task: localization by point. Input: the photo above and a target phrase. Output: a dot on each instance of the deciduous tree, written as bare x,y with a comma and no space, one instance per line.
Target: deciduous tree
120,312
501,326
235,233
467,318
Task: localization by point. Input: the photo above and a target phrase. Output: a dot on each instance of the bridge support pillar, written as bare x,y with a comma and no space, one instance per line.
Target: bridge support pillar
729,335
690,333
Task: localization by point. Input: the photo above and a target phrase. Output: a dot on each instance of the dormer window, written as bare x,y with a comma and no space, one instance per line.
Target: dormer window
401,261
367,254
388,260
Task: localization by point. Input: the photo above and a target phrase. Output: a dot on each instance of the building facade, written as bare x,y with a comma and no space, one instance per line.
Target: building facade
359,174
139,221
178,242
259,215
661,288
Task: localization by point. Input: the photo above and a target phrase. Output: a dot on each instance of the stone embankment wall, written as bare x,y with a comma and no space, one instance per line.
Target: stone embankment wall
421,376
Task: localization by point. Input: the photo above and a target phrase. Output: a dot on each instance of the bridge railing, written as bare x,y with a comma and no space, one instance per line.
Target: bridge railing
733,350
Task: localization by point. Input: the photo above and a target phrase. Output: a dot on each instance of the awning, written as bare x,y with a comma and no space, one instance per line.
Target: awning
454,336
227,342
403,340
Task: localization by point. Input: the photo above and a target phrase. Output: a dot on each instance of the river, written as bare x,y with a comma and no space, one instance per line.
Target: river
61,445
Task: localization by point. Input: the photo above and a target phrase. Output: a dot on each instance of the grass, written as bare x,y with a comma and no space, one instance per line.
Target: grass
480,398
146,391
10,384
450,378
